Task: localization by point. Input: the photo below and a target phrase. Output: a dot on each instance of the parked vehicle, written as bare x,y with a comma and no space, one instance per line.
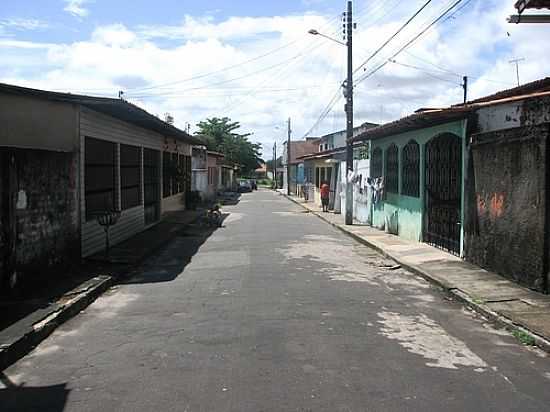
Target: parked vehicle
245,185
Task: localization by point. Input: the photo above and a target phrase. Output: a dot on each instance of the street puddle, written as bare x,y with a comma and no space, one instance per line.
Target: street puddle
423,336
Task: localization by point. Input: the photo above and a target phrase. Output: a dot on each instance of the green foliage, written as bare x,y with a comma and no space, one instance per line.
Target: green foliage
219,134
524,337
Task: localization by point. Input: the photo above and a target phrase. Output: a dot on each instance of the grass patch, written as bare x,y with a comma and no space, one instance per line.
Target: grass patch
478,301
524,337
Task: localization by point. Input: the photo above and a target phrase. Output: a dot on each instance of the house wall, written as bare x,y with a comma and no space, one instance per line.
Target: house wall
212,163
132,221
38,124
507,214
397,213
45,191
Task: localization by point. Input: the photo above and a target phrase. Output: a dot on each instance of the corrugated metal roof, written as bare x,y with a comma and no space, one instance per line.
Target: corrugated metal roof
117,108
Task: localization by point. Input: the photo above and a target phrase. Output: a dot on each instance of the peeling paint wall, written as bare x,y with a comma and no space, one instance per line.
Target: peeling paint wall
506,211
46,211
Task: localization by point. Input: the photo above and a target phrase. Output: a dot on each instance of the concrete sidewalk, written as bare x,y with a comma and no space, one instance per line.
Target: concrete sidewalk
35,318
525,312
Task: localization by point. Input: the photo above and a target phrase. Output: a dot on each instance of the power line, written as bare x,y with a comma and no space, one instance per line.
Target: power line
425,72
392,36
409,43
203,75
325,111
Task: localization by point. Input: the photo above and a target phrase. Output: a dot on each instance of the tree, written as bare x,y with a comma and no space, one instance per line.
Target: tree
219,134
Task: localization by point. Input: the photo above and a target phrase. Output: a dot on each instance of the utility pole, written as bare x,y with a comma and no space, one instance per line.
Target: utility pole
288,160
348,94
516,61
465,87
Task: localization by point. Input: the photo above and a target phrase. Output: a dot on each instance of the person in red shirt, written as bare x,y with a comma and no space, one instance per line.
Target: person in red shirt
325,194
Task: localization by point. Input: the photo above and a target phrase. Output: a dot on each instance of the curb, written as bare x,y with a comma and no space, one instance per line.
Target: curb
78,299
40,330
492,316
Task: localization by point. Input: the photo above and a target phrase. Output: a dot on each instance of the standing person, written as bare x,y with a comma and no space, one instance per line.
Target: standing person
325,194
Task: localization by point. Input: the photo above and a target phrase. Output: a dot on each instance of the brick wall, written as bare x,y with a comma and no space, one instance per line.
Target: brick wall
506,204
48,230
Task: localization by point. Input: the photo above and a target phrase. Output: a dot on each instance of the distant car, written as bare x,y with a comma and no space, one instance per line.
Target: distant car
245,186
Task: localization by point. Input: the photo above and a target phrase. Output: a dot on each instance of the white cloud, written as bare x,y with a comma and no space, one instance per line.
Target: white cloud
76,8
23,24
297,80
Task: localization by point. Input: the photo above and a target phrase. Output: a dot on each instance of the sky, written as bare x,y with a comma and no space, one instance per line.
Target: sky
253,61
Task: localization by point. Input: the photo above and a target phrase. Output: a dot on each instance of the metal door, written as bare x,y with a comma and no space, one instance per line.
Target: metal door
151,185
443,193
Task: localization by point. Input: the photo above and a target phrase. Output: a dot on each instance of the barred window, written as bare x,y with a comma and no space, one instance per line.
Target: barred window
99,176
411,169
130,176
392,169
166,174
376,170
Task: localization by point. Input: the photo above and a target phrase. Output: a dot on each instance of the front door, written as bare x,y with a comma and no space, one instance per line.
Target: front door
151,185
443,166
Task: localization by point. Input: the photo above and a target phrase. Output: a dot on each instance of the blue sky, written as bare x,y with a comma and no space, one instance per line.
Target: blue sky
101,47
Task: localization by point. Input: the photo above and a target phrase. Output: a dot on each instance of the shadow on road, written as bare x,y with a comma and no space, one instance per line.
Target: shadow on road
168,264
28,398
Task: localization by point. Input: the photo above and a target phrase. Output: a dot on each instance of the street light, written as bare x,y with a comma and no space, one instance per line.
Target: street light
348,94
316,33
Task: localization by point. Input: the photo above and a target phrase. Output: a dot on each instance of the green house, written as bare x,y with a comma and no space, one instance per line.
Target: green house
419,162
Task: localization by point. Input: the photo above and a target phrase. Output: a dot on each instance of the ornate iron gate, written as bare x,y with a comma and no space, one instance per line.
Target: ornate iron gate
443,193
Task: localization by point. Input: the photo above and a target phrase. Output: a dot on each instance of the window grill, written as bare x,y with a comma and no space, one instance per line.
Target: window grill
99,176
392,169
130,176
411,169
151,184
376,170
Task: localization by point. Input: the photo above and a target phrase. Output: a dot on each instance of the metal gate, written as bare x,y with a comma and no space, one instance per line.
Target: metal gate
151,185
443,193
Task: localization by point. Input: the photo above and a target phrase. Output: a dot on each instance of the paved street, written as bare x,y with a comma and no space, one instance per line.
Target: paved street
276,311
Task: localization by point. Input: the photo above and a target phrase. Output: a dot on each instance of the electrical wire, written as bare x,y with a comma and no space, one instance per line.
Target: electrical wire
392,36
203,75
424,71
409,43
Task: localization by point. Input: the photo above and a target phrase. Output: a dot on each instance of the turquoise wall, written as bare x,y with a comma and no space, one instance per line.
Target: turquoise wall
404,213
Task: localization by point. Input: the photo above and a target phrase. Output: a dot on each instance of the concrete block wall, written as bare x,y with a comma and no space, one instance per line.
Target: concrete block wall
506,213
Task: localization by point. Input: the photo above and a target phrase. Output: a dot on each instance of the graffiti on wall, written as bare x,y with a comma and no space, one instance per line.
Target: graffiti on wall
492,204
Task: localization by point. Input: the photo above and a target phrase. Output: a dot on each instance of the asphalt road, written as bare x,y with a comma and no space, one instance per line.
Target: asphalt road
276,311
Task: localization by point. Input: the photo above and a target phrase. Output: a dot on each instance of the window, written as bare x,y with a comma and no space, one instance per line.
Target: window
411,169
99,176
392,169
151,184
329,174
130,176
376,162
323,175
212,176
166,174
